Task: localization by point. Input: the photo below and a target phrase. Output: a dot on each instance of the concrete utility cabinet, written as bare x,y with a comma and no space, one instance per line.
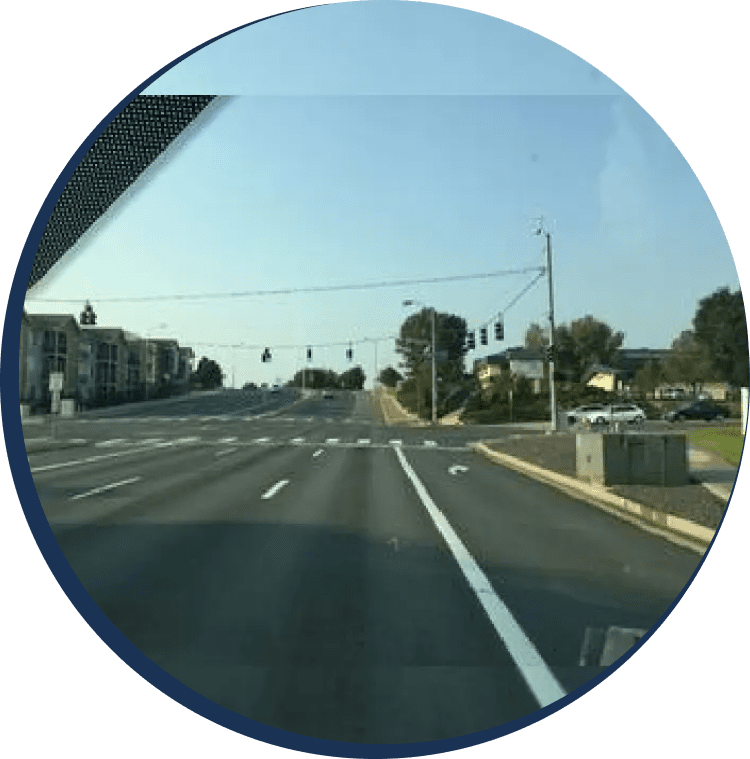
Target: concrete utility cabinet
632,458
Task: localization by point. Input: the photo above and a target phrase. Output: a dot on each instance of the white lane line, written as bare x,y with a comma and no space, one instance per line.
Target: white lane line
104,488
108,443
430,443
363,441
538,676
271,492
317,453
226,452
101,457
298,440
261,439
395,442
332,441
228,440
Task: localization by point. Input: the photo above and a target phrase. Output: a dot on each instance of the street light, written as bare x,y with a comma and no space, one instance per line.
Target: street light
434,377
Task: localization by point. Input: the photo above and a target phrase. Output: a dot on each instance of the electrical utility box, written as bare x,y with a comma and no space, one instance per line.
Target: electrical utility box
608,458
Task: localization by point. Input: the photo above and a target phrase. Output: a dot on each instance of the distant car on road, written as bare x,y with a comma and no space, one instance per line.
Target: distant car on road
275,388
328,395
624,413
697,410
582,413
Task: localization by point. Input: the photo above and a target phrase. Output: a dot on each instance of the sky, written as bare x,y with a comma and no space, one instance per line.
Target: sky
376,142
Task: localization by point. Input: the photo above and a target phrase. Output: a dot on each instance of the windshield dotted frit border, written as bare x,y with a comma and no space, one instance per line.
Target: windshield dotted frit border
72,586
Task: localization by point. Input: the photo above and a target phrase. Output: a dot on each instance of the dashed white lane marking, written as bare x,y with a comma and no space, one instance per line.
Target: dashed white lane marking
534,670
363,441
226,452
317,453
228,440
261,439
78,440
395,442
298,440
104,488
103,456
430,444
332,441
271,492
108,443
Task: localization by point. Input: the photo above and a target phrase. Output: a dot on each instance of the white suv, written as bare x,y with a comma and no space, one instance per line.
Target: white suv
627,413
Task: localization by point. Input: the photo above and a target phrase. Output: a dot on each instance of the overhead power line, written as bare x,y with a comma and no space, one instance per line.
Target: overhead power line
293,290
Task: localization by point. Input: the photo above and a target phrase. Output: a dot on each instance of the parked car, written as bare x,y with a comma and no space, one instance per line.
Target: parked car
697,410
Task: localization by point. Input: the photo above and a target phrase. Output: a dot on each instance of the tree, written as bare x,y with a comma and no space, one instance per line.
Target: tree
688,362
390,377
414,343
536,337
719,324
649,377
316,379
352,379
208,374
584,344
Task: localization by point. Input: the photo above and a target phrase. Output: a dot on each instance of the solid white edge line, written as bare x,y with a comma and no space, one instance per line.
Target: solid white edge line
271,492
104,488
535,671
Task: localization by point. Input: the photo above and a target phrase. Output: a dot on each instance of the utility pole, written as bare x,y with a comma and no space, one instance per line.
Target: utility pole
551,357
434,374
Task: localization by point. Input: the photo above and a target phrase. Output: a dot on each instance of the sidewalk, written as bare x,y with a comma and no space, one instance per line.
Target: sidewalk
394,413
712,472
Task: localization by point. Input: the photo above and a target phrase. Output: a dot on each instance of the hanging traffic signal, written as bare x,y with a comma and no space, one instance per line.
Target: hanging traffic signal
87,315
470,341
349,353
499,331
266,355
549,352
309,353
483,336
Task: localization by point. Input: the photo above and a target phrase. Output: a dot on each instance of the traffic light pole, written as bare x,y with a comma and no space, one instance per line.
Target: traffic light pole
434,373
552,397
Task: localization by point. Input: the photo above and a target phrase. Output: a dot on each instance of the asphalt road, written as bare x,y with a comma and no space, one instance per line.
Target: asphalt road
301,564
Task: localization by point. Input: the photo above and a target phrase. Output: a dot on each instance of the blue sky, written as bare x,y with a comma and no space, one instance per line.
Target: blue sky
389,141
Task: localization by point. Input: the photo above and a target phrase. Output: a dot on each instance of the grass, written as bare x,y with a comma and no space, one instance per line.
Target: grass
726,442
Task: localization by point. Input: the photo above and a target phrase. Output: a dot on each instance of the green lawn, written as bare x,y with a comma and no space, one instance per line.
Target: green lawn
724,441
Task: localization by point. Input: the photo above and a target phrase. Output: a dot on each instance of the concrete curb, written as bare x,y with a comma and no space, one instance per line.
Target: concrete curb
673,528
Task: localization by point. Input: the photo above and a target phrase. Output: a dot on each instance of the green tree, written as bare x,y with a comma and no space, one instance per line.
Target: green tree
536,337
584,344
689,362
352,379
390,377
414,343
649,377
208,374
719,324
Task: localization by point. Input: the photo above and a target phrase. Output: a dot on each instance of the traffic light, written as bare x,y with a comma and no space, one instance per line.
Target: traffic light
549,352
483,336
499,331
309,353
87,315
470,341
266,355
349,353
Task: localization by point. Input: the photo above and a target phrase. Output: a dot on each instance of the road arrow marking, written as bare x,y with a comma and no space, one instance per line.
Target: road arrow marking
458,468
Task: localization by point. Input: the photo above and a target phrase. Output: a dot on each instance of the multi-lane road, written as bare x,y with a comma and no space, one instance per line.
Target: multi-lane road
300,563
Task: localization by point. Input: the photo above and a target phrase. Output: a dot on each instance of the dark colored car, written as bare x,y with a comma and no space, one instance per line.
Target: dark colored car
697,410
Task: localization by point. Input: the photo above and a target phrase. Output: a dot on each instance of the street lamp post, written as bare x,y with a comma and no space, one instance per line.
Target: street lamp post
434,370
